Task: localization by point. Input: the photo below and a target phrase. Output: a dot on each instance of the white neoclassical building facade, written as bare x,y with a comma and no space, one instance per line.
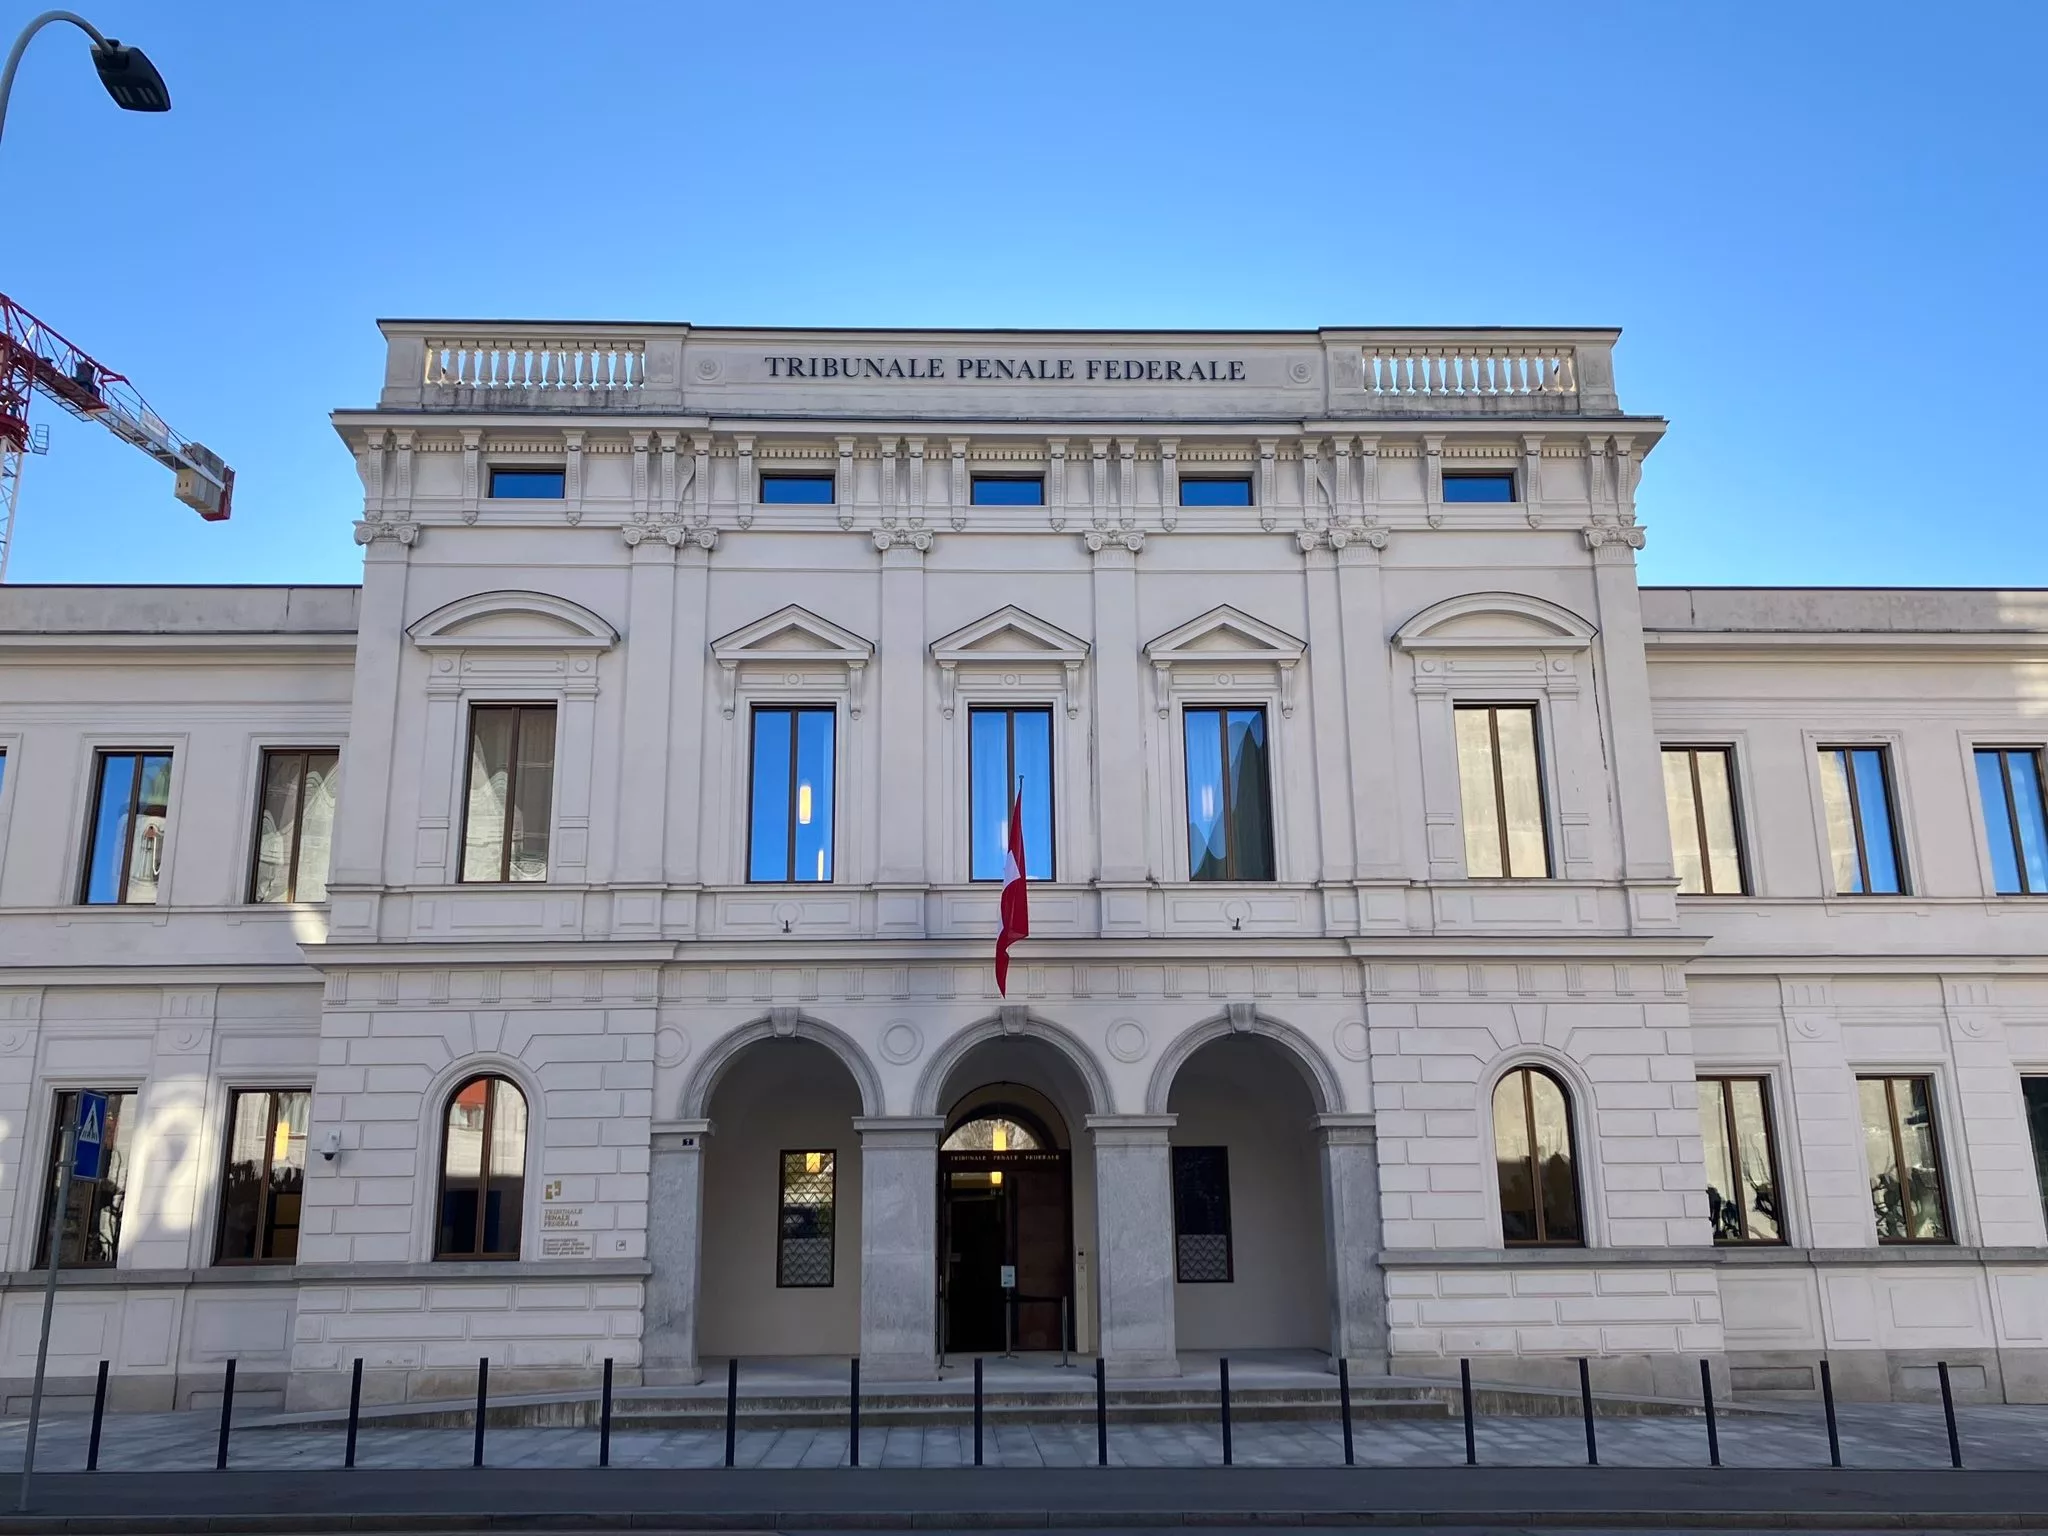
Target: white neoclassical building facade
575,943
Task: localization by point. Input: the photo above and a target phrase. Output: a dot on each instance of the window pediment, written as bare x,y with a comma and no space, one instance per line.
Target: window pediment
507,621
1225,635
1495,621
1010,638
791,637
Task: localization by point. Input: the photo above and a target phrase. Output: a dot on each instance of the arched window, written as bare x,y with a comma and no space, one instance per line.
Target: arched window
1533,1144
483,1172
999,1129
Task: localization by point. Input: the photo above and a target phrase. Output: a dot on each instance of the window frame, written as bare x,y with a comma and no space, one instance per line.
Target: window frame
304,754
754,709
1052,804
1946,1207
1231,875
1511,476
1229,1275
976,480
492,471
97,782
519,708
1247,480
227,1154
2004,751
1546,799
2038,1146
1693,749
782,1207
483,1176
1769,1100
1893,809
53,1094
1571,1133
765,477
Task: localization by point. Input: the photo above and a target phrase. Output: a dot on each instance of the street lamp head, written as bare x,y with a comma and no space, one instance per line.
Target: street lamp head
130,78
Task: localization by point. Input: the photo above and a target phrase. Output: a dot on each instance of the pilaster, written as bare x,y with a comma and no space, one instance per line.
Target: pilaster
1326,667
675,1253
899,1218
900,715
364,813
1119,728
1134,1243
686,714
1624,677
643,746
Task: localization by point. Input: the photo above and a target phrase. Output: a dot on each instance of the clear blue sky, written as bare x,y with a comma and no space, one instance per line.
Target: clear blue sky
1821,225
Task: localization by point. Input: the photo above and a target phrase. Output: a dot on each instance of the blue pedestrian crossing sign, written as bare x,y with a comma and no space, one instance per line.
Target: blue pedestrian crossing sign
88,1148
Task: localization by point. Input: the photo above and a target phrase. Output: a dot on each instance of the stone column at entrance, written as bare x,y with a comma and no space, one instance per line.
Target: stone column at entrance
899,1243
675,1254
1134,1243
1352,1240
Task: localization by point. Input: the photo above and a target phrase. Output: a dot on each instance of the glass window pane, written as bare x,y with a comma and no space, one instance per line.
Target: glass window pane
3,772
1998,828
1477,794
1032,751
769,848
91,1232
1008,491
1887,1198
796,490
505,1194
1914,1100
1724,1200
241,1195
1201,1214
1485,486
316,826
109,827
462,1163
1680,808
1717,803
988,748
1873,808
152,819
1203,733
804,1247
277,827
814,728
490,766
528,484
1250,828
1216,493
1756,1167
2025,768
2035,1091
1557,1178
1834,794
533,797
1511,1157
1528,846
287,1174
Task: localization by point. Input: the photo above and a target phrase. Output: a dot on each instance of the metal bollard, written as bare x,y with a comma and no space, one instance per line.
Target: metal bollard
1465,1386
1948,1411
1344,1404
604,1419
1223,1366
1101,1415
355,1412
227,1414
1586,1402
1713,1432
1065,1363
483,1398
99,1413
977,1410
853,1413
732,1404
1827,1398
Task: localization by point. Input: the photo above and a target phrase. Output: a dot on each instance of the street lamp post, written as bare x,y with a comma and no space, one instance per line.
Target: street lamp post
126,72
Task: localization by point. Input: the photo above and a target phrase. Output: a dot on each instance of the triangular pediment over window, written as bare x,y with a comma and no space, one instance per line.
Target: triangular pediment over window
1010,638
1230,635
792,637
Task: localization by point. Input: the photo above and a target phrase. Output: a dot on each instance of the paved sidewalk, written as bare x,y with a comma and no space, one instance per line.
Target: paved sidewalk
1873,1435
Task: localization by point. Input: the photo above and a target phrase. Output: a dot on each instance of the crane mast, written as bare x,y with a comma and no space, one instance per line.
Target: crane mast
34,359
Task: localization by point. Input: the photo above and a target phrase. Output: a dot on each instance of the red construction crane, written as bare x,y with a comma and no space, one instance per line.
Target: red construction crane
35,358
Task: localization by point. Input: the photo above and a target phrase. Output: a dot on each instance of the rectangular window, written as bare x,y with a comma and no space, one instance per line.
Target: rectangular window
1008,491
264,1177
803,1247
2035,1091
1856,792
2009,779
294,825
91,1235
1230,797
124,851
1009,753
511,792
796,490
1742,1160
1479,485
1216,491
529,484
1501,783
1699,793
1201,1215
791,813
1905,1159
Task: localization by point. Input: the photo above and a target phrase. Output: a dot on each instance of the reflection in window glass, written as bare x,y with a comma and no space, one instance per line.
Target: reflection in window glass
992,1133
1699,795
1009,752
91,1235
1008,491
1235,491
2035,1091
1742,1165
1899,1140
528,484
483,1172
511,792
1201,1215
264,1180
2009,782
1500,786
1533,1149
790,838
807,1225
796,490
294,826
131,814
1855,787
1230,808
1479,485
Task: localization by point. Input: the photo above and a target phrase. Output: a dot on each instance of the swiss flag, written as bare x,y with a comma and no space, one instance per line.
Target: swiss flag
1016,906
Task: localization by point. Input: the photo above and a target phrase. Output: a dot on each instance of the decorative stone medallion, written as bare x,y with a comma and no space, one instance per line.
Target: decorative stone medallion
1353,1041
1128,1040
902,1042
671,1045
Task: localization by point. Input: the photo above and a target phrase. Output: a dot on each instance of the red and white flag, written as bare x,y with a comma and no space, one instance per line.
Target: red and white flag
1016,906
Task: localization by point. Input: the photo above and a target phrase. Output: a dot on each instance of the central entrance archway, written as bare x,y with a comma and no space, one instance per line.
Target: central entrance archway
1006,1214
